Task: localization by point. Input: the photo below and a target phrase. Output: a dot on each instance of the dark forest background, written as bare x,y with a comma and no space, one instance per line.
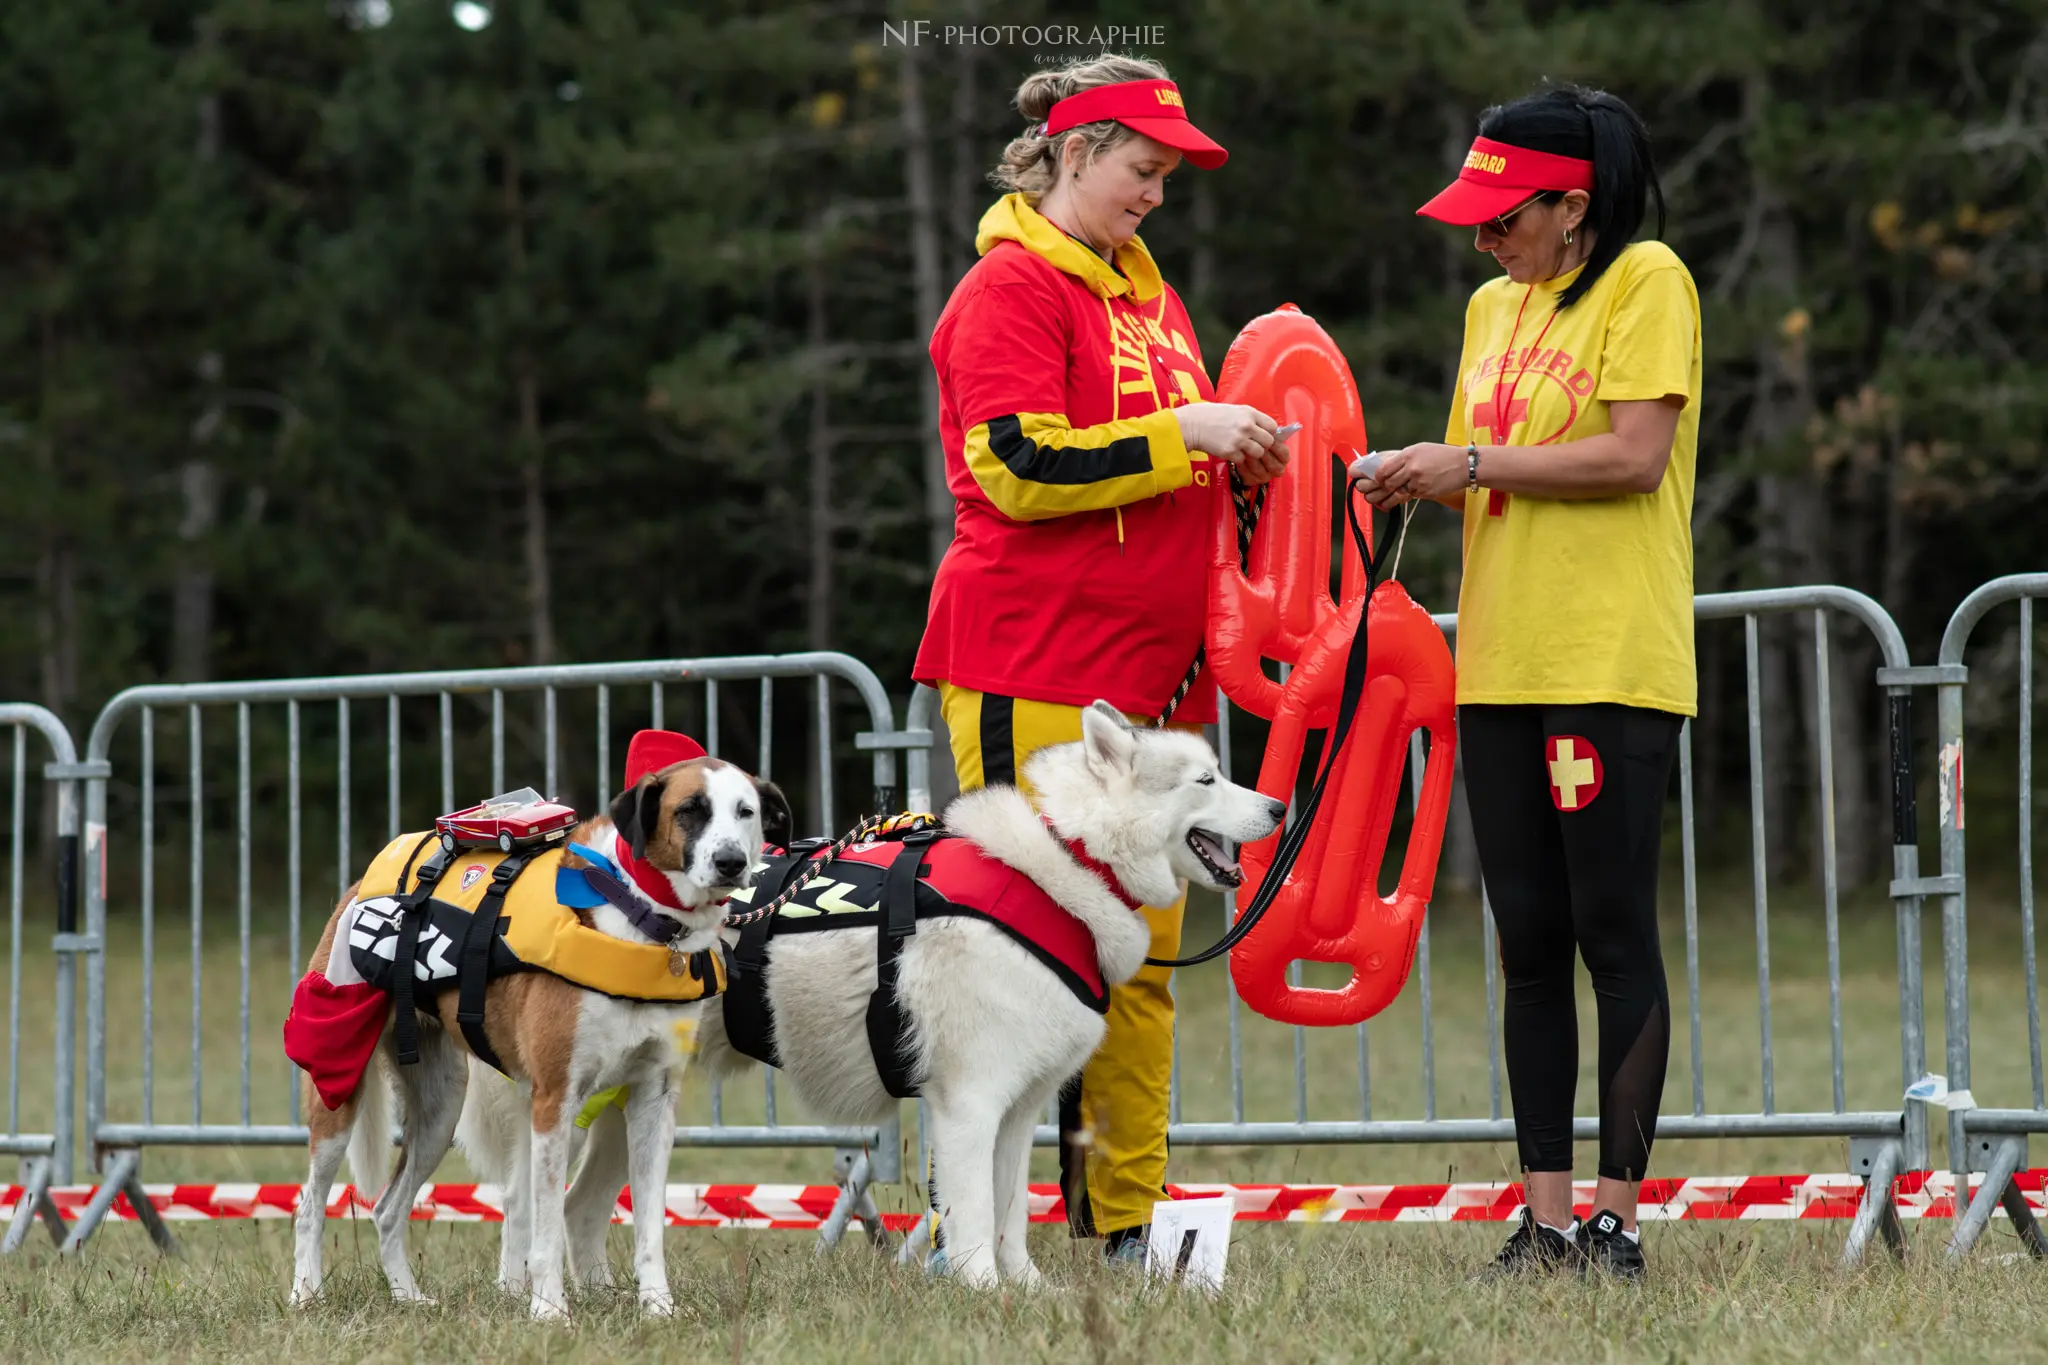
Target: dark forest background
385,334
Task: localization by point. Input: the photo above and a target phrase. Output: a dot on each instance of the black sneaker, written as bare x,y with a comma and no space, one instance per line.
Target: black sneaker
1534,1250
1609,1250
1125,1248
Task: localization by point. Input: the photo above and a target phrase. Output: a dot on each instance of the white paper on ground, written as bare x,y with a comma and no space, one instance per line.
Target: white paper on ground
1191,1240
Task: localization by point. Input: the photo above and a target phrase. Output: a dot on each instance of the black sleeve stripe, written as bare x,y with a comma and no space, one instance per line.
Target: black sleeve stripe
1035,463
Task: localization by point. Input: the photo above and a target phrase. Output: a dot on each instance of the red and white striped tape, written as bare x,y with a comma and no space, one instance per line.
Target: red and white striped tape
804,1207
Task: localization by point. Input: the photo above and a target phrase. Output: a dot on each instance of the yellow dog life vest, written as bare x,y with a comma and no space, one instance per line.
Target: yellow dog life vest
539,932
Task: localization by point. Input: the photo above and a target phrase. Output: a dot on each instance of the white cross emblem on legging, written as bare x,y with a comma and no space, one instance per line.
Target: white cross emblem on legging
1568,773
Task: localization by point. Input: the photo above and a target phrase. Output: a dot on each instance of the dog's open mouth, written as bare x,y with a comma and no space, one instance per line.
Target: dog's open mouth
1220,864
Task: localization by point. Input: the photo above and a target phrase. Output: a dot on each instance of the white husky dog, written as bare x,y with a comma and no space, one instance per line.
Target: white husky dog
995,1031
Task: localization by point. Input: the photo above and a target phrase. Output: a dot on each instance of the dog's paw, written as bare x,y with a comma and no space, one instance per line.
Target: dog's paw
546,1309
657,1303
976,1270
412,1298
516,1285
1027,1277
304,1295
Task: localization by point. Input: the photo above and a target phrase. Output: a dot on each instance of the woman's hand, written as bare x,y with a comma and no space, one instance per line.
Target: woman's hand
1235,432
1429,469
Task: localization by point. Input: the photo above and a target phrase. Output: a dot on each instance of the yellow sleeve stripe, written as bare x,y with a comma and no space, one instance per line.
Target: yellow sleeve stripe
1032,465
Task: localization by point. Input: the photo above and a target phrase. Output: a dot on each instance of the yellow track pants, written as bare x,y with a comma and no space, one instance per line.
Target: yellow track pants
1113,1124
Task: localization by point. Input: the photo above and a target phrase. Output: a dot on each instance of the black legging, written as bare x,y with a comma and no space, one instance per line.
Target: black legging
1568,867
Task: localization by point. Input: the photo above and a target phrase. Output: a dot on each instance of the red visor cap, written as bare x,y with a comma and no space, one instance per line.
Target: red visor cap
653,750
1153,108
1498,176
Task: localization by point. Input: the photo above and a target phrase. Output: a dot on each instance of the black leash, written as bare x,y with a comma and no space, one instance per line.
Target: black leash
1296,837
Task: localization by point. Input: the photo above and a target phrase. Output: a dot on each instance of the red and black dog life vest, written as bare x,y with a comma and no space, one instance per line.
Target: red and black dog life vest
890,883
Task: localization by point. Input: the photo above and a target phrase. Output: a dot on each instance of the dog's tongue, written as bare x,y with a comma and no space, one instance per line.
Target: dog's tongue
1213,848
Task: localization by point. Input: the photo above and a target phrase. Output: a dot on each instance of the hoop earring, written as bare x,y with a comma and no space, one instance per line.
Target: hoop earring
1567,236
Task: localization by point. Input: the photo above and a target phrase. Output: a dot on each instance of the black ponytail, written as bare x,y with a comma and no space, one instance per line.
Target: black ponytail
1592,125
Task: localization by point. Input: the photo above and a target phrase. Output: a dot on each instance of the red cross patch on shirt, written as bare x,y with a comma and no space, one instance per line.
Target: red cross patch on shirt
1575,771
1500,424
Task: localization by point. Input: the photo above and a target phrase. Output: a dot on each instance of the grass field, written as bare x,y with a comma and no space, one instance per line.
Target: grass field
1721,1291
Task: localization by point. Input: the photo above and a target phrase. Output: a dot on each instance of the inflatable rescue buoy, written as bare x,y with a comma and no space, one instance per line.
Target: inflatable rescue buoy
1278,606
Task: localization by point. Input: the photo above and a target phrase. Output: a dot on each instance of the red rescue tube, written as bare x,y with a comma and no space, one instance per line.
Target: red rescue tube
1330,909
1286,366
1279,607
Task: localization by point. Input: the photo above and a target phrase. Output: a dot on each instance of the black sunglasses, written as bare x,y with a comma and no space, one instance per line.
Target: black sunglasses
1499,226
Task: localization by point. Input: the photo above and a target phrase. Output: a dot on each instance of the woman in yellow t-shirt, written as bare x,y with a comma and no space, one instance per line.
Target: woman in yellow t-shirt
1570,453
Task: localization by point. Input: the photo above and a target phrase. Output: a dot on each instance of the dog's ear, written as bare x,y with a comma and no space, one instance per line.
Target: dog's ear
1107,739
635,812
778,821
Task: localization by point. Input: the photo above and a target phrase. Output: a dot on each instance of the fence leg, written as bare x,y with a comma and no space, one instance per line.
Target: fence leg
1879,1213
853,1196
871,1218
916,1243
2005,1160
146,1213
120,1178
35,1203
2023,1220
119,1171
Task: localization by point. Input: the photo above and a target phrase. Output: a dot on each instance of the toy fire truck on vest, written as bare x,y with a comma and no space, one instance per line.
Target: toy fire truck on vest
517,819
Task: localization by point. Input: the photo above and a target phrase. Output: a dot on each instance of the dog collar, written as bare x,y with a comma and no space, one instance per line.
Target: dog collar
604,878
649,878
1078,851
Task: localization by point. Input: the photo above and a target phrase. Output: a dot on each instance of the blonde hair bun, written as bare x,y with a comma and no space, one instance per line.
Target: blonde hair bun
1031,162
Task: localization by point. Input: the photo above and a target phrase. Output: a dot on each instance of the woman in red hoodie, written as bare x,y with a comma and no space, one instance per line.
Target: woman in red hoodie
1083,447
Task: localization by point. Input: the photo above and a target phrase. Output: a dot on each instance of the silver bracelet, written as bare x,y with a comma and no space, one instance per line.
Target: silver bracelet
1472,465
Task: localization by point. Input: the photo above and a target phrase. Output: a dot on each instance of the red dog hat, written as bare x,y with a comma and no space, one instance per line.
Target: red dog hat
650,752
653,750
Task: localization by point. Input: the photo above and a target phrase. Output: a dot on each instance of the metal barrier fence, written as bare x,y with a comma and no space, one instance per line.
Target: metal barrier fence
118,1140
1884,1141
1991,1140
46,1157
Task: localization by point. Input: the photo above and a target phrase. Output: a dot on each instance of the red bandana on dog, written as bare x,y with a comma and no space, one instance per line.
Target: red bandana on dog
1080,854
650,752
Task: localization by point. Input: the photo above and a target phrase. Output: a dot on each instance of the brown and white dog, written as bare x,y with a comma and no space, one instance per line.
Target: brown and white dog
700,825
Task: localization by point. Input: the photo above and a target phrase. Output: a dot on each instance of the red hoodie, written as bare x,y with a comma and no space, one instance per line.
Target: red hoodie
1082,521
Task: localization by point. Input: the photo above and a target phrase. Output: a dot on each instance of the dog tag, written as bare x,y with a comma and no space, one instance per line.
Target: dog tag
1190,1241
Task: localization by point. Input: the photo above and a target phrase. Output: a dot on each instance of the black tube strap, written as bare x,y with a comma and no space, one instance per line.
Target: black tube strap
1296,835
887,1037
749,1025
474,964
405,1024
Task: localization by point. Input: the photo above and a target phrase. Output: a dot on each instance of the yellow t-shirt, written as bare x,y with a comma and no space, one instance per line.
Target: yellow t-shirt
1582,599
